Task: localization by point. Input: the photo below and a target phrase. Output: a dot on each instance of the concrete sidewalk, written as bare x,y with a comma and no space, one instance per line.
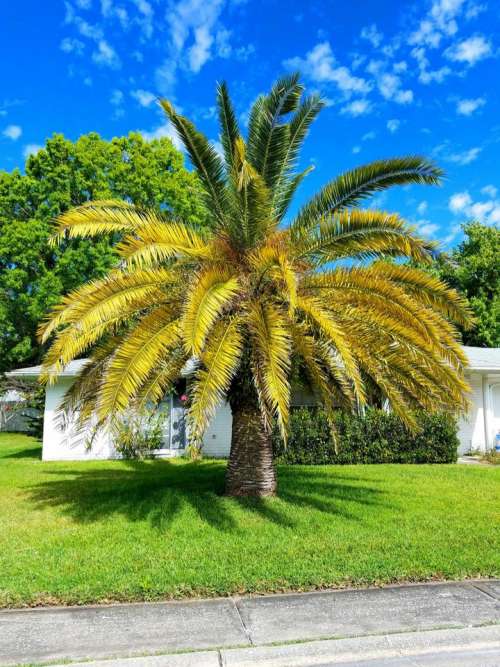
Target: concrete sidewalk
83,633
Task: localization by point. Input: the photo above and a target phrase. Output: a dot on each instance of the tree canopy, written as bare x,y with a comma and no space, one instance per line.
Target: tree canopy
64,174
473,268
248,298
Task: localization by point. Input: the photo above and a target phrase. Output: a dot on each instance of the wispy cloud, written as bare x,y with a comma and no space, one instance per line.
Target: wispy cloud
393,125
469,51
72,45
357,108
372,34
464,157
320,65
486,211
12,132
105,55
467,107
143,97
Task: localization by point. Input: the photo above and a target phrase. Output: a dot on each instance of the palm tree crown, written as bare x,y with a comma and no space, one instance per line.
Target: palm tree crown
251,299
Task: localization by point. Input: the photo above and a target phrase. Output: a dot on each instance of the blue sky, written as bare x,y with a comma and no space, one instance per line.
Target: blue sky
399,77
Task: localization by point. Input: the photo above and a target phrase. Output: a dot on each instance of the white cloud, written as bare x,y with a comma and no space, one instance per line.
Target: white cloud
356,149
459,202
487,212
439,22
469,51
320,65
199,53
144,97
368,136
490,191
427,76
357,108
467,107
12,132
390,88
393,125
422,208
72,45
116,97
83,4
106,55
427,228
465,157
371,34
31,149
164,130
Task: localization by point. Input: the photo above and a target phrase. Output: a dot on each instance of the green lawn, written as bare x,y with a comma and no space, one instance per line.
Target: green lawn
96,531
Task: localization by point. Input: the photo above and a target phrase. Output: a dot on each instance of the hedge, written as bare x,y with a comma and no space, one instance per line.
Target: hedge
377,437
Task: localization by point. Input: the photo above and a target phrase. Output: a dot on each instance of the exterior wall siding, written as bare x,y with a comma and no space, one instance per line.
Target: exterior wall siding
471,426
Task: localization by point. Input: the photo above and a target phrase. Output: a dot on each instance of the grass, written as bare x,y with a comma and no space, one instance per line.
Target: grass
76,533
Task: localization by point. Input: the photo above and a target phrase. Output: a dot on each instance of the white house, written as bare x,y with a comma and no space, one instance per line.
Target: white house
476,431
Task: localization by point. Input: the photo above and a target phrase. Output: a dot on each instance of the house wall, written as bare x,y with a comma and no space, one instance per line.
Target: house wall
67,444
471,426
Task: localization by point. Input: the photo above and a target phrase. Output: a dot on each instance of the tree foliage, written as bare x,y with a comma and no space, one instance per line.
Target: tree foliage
65,174
473,268
250,300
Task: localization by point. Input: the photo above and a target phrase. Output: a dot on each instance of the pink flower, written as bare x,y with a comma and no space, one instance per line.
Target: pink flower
183,398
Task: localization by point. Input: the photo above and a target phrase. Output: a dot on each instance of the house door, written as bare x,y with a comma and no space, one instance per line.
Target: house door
495,412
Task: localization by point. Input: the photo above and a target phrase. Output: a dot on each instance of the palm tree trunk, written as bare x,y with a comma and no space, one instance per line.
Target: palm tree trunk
250,471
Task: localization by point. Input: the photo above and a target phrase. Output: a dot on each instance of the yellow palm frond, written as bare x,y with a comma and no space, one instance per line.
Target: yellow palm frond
271,334
219,363
212,292
152,339
325,320
154,243
96,218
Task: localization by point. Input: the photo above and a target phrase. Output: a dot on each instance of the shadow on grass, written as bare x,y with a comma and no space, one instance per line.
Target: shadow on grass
158,490
25,453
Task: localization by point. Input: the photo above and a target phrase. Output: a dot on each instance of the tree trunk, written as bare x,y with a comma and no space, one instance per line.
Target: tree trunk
250,471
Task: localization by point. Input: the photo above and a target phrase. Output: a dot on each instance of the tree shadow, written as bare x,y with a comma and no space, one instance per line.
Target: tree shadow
25,453
157,491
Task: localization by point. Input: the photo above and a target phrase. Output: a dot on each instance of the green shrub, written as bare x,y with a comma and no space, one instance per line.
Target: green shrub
377,437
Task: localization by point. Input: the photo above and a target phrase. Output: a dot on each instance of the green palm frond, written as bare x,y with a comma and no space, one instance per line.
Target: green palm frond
268,138
228,124
205,159
354,186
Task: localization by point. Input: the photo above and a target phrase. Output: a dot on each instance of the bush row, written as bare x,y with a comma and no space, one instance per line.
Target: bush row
376,437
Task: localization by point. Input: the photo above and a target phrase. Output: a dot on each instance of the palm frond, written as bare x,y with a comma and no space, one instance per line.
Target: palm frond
151,340
362,234
97,218
212,291
271,335
354,186
204,158
228,124
154,243
219,363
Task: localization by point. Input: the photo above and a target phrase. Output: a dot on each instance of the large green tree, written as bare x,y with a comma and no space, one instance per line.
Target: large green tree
64,174
249,298
473,268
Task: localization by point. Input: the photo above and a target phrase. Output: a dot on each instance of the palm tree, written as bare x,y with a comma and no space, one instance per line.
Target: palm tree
253,301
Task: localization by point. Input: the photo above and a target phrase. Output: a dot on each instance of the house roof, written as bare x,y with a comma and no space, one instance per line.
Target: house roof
480,359
74,367
483,358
